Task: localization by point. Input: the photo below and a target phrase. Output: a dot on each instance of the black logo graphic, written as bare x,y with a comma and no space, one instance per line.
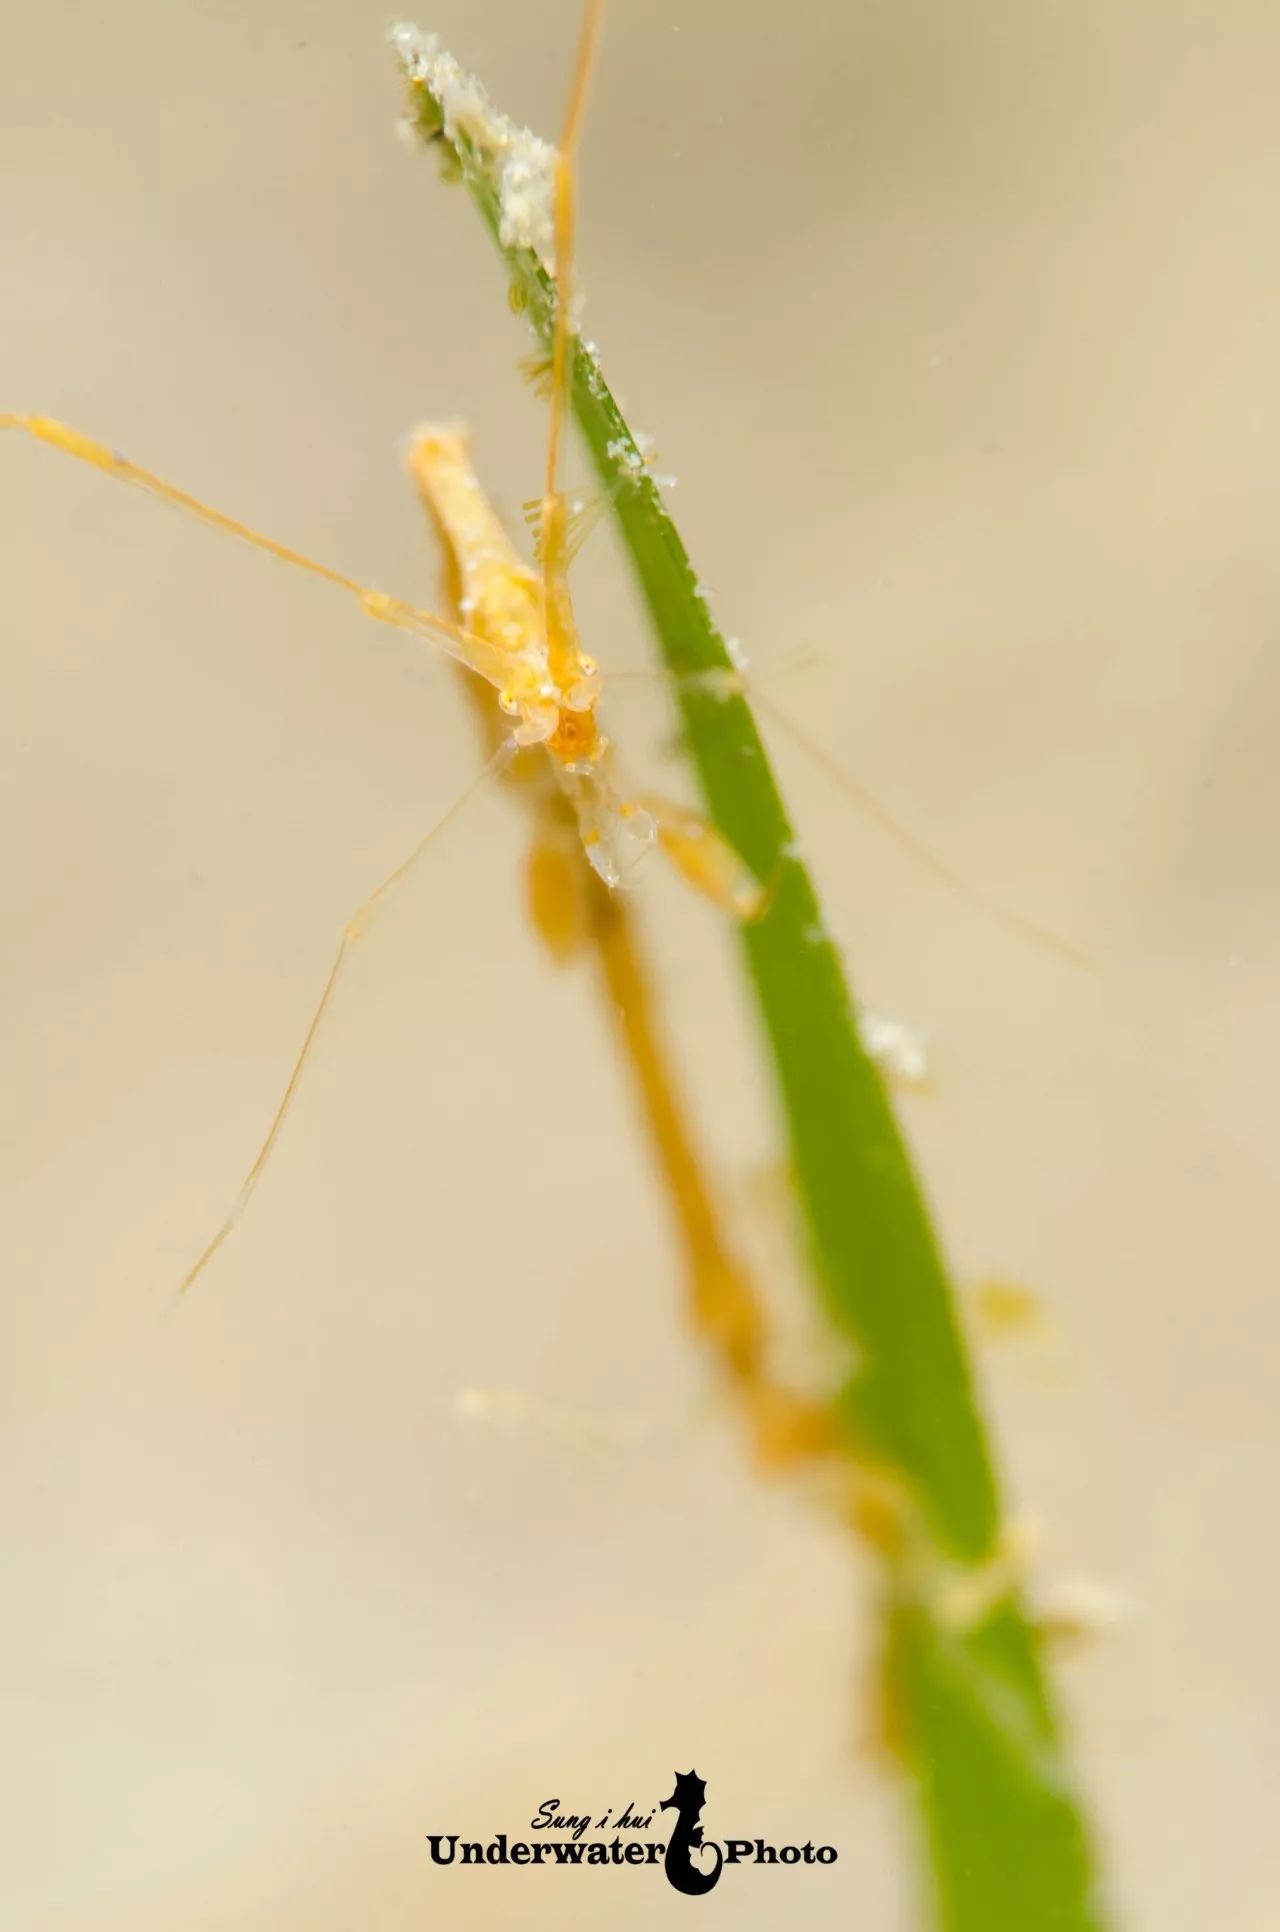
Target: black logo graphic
687,1800
562,1838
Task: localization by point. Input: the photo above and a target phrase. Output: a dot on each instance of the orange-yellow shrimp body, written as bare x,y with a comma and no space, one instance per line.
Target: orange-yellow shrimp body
502,601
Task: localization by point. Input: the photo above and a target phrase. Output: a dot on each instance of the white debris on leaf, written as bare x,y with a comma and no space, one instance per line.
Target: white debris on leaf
633,455
964,1596
717,681
520,163
899,1050
588,356
625,457
526,199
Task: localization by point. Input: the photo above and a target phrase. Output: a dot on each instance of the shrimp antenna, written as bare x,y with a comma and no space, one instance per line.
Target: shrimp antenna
570,135
917,849
866,801
468,650
353,930
564,653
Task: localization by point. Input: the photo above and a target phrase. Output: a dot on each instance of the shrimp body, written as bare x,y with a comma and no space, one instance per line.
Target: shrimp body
549,684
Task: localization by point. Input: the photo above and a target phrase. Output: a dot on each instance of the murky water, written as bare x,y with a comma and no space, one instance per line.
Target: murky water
958,330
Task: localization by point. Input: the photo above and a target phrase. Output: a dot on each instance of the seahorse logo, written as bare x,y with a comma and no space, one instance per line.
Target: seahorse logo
687,1801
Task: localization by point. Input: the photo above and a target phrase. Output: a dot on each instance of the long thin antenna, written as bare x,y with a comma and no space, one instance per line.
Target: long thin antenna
916,848
471,651
351,932
864,800
570,134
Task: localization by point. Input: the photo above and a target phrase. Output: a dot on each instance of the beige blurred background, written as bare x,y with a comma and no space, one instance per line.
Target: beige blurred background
958,327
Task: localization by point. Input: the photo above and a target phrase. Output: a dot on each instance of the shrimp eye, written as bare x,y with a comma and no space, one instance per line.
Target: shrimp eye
507,703
587,666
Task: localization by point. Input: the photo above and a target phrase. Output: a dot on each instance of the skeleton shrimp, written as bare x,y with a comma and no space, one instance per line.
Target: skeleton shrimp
519,636
516,636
